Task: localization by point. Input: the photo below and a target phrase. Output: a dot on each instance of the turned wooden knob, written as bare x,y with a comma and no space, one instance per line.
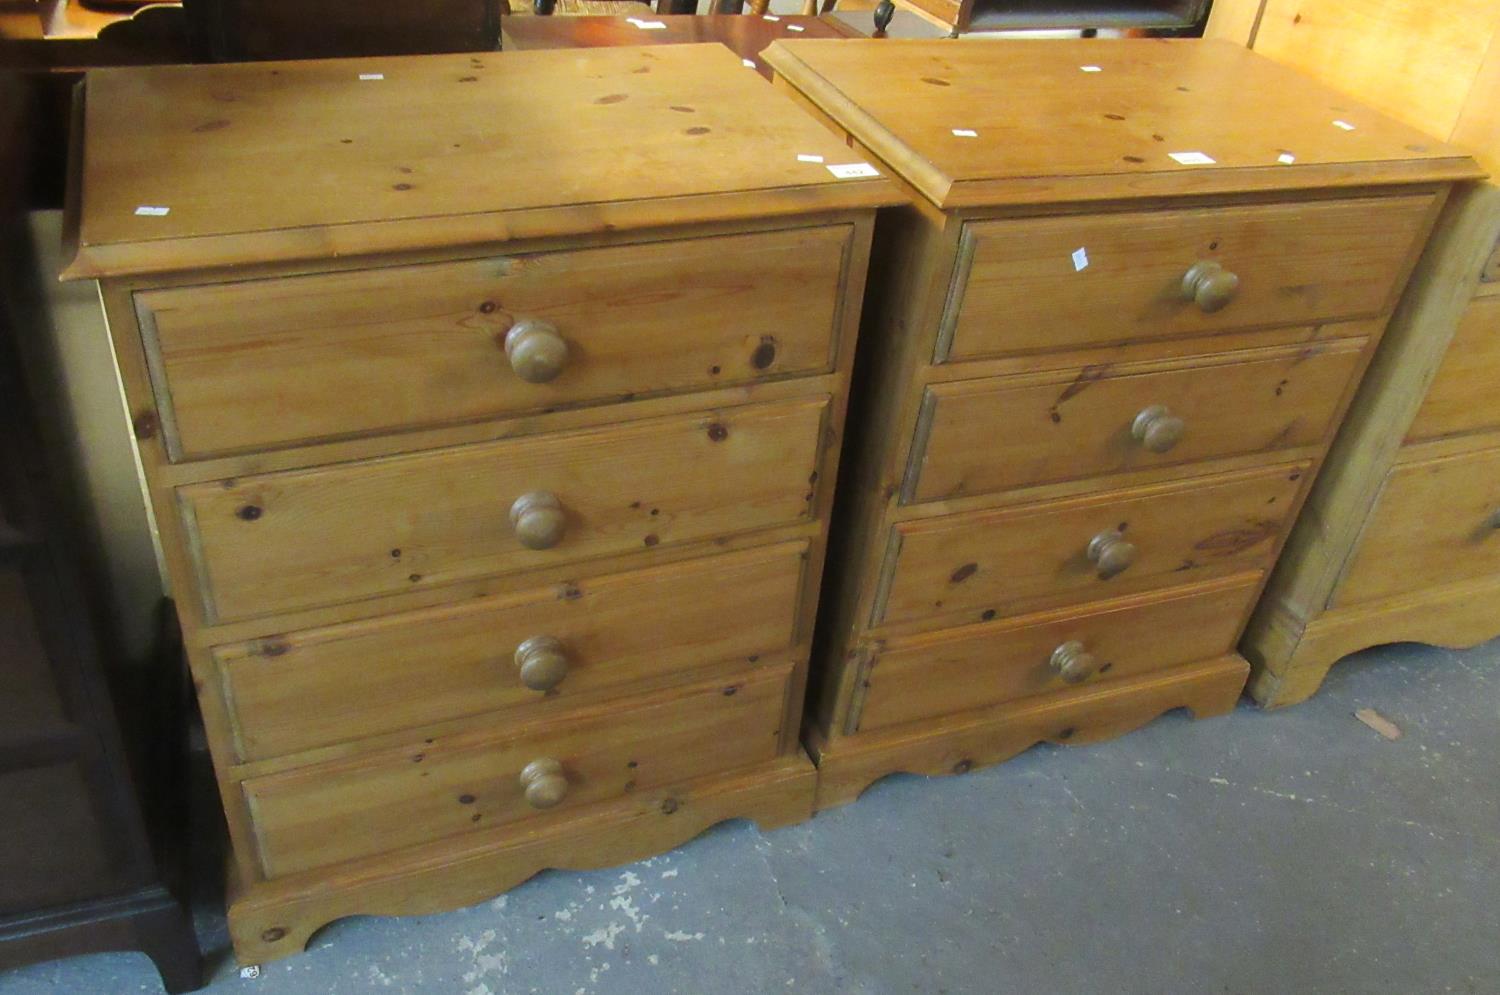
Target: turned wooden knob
536,351
1110,553
538,519
542,663
1157,429
1073,663
544,783
1210,285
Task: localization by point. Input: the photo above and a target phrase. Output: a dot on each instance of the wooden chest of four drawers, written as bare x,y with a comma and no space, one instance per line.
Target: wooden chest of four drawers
1110,340
490,410
492,441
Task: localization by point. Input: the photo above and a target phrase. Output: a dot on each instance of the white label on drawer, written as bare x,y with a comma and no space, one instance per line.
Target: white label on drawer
965,133
1080,259
371,76
1191,158
809,158
795,27
853,170
1091,69
1286,158
1343,125
770,17
748,63
147,211
648,25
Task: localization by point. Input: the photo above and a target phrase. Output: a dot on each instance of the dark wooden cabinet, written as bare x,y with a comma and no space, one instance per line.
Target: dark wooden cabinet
77,871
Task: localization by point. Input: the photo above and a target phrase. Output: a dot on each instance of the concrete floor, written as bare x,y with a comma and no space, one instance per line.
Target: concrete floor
1293,851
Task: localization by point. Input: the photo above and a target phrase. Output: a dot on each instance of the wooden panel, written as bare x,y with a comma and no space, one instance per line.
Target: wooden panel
446,786
301,538
994,561
1048,133
257,162
1297,264
989,435
1462,395
55,848
1413,59
345,682
979,665
271,362
1434,523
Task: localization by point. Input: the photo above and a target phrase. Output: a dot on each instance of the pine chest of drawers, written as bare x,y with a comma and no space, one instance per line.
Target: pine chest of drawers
489,409
1117,326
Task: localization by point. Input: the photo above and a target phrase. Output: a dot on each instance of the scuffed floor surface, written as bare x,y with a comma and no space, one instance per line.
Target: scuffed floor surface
1294,851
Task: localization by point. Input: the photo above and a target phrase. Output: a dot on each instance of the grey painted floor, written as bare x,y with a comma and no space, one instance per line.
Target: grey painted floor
1293,851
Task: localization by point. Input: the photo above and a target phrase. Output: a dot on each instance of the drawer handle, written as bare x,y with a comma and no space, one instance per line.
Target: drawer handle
538,519
1073,663
1157,429
1110,553
544,783
1210,285
542,662
536,351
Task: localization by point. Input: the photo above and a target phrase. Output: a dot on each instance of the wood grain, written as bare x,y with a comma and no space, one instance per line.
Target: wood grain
1461,398
1297,263
265,363
1435,522
993,435
348,682
1001,561
1050,133
925,677
303,160
431,518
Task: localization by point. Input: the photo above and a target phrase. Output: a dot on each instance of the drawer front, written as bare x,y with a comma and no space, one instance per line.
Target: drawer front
1435,522
447,786
992,563
990,435
274,362
981,665
280,541
1069,282
1462,396
346,682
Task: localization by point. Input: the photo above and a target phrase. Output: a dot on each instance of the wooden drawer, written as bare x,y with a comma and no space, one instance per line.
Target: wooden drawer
992,563
470,781
278,541
980,665
990,435
1462,397
263,363
1018,287
1436,521
345,682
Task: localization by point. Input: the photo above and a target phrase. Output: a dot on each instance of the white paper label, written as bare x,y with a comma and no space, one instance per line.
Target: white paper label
1080,259
770,17
369,76
1286,158
251,972
1091,69
1343,125
748,63
146,211
795,27
647,25
965,133
1191,158
853,170
809,158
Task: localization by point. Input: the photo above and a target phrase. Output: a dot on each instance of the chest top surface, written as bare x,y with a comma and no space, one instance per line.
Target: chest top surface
995,122
186,166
